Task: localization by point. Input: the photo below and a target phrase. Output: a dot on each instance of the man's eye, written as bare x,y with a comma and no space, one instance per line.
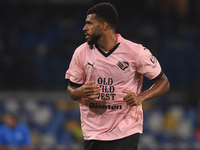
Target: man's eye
89,23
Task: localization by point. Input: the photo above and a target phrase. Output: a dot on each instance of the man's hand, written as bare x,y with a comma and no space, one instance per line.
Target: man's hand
132,99
89,90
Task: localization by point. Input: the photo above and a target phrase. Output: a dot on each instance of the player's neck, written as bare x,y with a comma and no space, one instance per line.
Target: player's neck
107,42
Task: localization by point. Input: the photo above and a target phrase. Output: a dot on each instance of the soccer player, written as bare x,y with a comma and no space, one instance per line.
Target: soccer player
105,75
14,135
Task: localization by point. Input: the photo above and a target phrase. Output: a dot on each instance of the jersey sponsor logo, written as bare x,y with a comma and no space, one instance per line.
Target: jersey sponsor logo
97,106
123,65
106,96
107,89
91,64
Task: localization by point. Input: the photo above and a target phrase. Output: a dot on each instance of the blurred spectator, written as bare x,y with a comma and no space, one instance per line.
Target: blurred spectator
175,7
14,135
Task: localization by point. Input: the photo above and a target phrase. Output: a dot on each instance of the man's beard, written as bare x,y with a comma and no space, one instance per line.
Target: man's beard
94,39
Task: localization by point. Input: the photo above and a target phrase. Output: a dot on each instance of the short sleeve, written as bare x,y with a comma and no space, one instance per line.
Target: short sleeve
76,72
147,64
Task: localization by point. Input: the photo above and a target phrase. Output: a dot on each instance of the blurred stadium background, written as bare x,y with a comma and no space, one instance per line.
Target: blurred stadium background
38,38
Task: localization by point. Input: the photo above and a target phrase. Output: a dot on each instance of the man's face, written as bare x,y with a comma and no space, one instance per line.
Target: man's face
10,120
92,29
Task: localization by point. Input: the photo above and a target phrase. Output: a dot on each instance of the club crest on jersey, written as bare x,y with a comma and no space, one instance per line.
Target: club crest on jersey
123,65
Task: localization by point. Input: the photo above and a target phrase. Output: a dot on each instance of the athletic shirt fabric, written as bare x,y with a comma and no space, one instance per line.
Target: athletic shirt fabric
108,117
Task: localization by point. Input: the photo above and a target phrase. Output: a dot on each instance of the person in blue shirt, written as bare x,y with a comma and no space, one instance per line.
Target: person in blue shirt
14,135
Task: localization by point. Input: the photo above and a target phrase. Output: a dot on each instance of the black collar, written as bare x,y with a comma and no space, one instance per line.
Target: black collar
110,52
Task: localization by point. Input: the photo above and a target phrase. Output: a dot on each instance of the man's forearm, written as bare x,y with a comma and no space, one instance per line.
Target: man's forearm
160,87
87,90
74,93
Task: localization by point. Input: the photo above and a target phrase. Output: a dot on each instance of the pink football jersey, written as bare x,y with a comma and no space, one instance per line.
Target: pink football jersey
108,117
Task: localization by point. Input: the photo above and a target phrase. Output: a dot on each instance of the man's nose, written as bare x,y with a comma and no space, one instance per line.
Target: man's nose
85,28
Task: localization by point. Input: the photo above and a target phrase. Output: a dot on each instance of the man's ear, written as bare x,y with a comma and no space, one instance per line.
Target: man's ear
105,25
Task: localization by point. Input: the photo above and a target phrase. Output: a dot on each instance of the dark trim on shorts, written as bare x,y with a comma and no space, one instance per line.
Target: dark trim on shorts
127,143
159,76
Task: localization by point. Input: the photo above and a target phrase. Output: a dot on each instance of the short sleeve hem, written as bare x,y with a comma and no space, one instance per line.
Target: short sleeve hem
159,76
